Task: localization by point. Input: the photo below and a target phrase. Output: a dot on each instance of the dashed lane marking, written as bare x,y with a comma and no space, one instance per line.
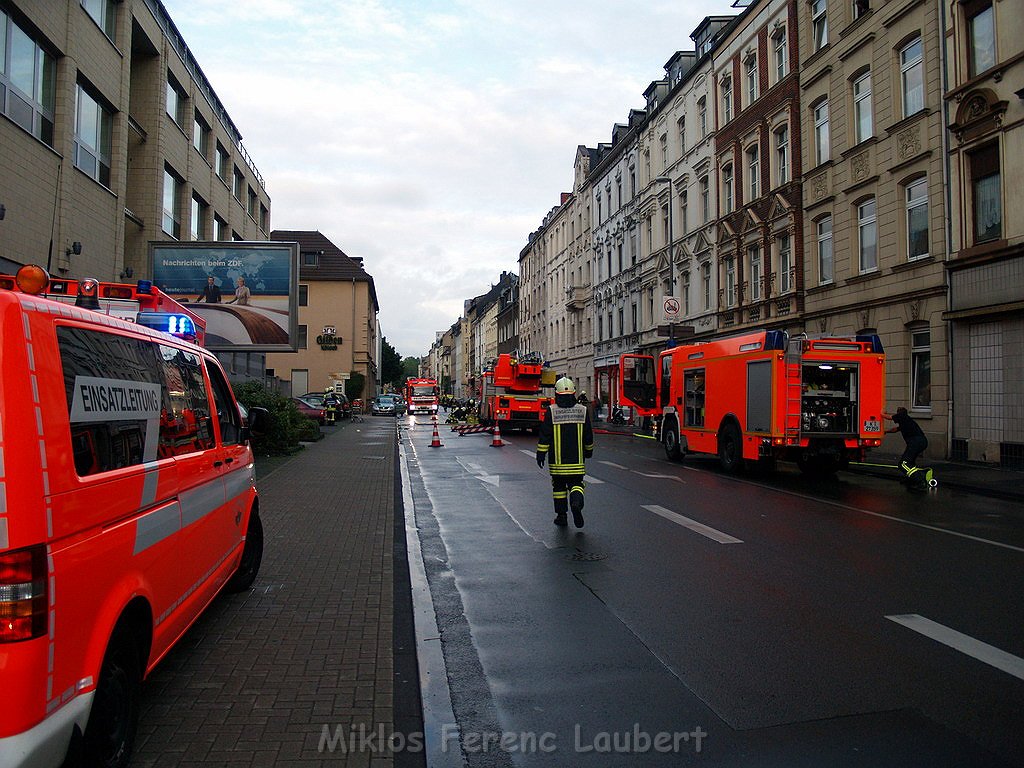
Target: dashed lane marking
693,525
989,654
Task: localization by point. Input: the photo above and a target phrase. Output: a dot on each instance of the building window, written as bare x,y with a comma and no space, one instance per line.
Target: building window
220,228
917,219
622,325
222,163
303,295
785,264
981,54
920,369
730,281
303,337
237,184
310,258
93,131
252,204
727,190
782,154
177,100
685,284
683,208
663,142
867,236
986,194
681,124
753,171
611,326
726,100
172,214
860,7
705,281
822,142
819,24
752,80
27,81
702,116
598,207
912,74
705,199
781,54
825,250
102,12
264,218
600,329
198,221
201,135
862,108
754,259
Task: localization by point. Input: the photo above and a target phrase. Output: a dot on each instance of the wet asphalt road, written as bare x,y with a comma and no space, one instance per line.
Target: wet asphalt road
706,619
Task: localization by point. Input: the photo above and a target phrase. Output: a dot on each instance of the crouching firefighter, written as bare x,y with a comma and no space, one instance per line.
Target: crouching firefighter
566,440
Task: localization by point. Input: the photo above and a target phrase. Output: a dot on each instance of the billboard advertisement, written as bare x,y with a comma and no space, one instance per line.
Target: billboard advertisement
246,291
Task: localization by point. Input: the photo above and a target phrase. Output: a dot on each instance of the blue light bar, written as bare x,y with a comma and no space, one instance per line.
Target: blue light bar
166,322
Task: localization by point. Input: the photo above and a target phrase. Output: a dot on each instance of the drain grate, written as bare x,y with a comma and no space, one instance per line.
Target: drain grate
580,556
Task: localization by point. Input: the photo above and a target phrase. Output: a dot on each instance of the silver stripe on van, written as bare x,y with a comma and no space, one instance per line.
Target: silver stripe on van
197,503
149,483
4,541
153,527
238,482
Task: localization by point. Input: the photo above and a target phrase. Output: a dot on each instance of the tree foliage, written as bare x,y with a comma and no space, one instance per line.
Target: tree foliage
287,425
391,371
411,367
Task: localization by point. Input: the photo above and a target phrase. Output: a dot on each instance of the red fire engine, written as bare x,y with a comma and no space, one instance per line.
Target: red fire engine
764,396
511,396
421,395
141,303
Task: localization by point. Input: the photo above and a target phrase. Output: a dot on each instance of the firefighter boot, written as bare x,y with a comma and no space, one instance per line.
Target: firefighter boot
576,502
561,507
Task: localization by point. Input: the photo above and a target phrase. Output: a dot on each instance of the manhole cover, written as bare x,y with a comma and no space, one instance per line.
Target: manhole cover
586,557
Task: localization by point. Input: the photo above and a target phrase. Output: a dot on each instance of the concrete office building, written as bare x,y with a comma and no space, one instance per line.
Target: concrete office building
111,137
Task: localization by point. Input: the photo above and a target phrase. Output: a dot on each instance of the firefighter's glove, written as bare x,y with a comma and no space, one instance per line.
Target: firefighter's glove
587,454
541,456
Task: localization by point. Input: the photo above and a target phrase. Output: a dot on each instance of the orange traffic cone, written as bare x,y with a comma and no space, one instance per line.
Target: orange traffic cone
435,442
496,441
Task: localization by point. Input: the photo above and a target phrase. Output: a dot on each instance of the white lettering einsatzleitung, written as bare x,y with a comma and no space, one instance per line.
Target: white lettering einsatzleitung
98,399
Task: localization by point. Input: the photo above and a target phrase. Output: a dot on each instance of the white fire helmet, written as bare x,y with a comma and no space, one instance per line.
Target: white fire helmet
565,386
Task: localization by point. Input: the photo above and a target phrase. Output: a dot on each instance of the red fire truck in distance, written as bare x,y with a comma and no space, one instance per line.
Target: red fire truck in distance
421,396
511,396
764,396
141,303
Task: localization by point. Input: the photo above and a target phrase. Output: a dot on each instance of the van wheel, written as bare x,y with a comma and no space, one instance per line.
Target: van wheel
115,709
730,449
672,449
252,556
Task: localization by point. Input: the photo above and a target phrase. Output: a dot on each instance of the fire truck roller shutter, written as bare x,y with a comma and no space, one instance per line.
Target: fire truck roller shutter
759,396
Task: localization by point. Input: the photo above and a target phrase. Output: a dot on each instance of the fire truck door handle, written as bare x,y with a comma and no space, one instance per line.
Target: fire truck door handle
217,463
228,461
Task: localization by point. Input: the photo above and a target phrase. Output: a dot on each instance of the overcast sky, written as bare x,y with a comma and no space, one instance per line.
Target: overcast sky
429,137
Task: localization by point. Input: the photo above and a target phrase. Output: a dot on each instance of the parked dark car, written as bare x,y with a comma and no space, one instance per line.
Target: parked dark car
309,408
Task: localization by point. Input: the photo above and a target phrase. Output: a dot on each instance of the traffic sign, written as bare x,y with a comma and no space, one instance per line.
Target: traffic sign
670,305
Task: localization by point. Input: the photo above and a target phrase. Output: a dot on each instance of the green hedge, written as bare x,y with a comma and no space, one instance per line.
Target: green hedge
287,425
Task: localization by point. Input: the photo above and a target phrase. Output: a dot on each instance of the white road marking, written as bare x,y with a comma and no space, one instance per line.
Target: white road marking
660,477
477,472
594,480
612,464
693,525
528,453
989,654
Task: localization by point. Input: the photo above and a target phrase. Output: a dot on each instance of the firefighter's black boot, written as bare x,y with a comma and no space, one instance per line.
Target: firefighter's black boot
576,502
561,507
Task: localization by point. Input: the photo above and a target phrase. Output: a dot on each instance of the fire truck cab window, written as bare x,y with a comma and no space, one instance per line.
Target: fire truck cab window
693,388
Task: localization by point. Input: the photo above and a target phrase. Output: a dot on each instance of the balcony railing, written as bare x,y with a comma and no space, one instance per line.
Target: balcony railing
575,298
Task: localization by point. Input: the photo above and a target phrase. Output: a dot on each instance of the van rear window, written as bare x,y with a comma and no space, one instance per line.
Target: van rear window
131,400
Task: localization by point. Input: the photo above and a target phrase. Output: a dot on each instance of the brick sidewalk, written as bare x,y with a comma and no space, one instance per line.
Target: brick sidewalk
261,674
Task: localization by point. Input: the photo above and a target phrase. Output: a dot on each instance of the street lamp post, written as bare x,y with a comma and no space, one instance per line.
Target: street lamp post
671,254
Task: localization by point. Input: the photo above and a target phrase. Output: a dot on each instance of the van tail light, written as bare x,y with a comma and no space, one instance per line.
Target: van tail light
23,601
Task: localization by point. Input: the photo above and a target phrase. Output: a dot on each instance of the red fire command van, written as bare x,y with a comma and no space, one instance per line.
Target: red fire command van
764,396
126,504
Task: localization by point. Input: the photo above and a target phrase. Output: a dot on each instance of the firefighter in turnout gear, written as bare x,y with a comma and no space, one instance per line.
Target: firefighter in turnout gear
566,440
